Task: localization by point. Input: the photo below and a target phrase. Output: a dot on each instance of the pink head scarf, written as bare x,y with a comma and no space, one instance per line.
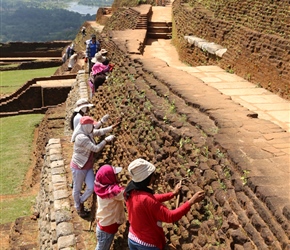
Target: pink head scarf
106,185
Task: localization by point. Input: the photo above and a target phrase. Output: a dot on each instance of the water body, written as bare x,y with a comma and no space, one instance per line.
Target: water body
82,9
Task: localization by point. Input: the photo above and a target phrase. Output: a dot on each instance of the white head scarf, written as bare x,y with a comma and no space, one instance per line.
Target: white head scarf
85,129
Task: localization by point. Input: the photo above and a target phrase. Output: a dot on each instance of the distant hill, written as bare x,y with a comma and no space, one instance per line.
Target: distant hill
40,25
42,20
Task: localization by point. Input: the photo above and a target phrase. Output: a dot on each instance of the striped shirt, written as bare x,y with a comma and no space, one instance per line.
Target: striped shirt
137,240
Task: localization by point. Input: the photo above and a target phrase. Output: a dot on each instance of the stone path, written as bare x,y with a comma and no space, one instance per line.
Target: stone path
267,105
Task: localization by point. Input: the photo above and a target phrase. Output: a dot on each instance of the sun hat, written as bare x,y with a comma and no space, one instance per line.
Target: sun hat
98,58
103,51
82,103
87,120
140,169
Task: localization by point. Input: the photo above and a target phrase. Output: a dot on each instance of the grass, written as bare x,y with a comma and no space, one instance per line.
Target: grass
15,208
11,80
16,137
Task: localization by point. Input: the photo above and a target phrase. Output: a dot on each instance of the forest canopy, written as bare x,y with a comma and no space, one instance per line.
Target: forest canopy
42,20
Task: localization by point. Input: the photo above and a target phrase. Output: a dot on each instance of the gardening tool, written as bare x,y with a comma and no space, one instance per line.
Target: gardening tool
93,211
178,196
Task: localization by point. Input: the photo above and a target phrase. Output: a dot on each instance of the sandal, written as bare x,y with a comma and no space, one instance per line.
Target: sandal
82,212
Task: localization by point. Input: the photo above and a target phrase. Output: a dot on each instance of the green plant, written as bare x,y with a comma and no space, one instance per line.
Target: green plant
142,93
244,177
172,107
205,151
196,222
131,77
208,214
165,119
219,154
227,172
222,185
219,221
214,130
183,118
189,172
230,70
183,141
148,105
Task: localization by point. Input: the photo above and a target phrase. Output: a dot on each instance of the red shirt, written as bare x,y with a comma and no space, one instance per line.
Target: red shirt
146,212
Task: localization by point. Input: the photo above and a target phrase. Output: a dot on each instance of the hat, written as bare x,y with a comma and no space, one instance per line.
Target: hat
87,120
82,103
93,36
98,58
103,51
140,169
117,170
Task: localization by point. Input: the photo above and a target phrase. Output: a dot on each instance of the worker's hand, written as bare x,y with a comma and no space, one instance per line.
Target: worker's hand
117,123
197,197
177,189
109,138
105,118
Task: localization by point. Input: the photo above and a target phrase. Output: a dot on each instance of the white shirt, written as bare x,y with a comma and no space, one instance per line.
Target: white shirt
111,210
72,60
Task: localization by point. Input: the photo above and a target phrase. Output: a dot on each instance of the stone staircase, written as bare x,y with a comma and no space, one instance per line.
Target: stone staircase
159,30
142,22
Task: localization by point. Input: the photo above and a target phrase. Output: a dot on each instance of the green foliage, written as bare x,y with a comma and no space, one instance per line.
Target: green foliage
33,24
12,80
16,137
244,177
100,3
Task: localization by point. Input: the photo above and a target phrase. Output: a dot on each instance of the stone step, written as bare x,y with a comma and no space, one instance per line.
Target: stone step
159,30
159,24
159,35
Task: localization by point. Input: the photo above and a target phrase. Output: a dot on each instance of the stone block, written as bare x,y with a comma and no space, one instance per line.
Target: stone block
64,229
66,242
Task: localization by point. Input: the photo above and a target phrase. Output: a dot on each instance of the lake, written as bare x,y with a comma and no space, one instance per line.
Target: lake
82,9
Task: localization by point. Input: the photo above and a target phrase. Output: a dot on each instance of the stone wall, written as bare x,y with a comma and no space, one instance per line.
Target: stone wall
255,33
186,139
26,49
53,205
31,96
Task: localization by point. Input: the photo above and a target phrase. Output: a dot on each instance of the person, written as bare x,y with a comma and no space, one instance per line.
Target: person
72,61
83,31
99,70
145,210
82,107
92,47
69,51
110,213
82,160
